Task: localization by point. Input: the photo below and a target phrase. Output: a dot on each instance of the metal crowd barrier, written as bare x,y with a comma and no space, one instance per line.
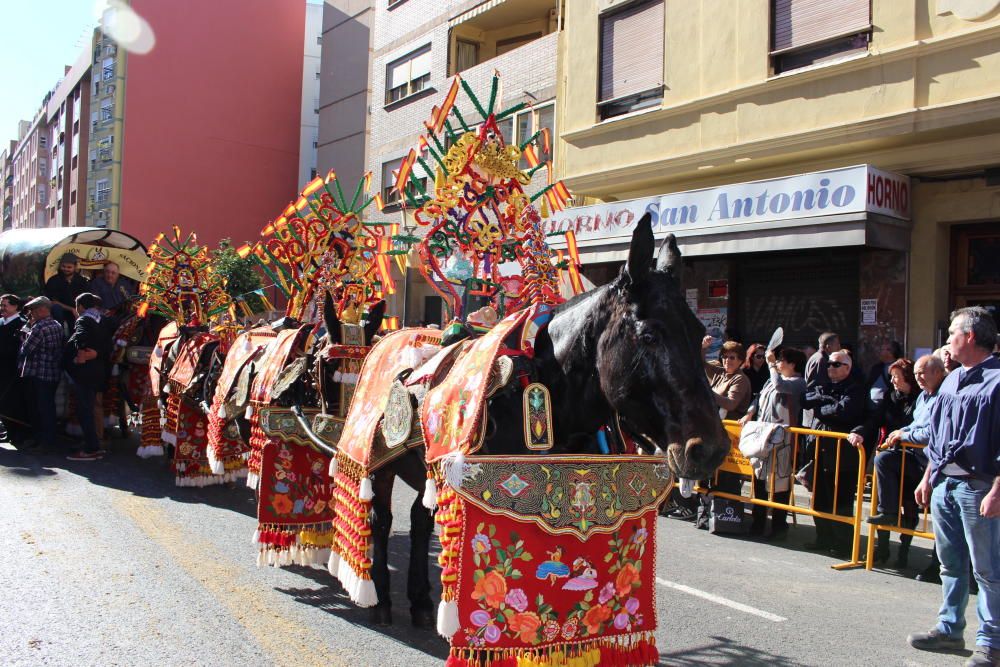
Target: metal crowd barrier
898,528
738,464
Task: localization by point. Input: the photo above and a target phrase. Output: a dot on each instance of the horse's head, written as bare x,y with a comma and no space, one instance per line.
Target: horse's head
649,360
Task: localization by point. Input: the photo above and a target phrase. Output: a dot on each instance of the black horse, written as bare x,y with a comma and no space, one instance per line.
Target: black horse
629,350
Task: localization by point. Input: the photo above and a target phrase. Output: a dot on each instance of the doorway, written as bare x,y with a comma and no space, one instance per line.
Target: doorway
975,270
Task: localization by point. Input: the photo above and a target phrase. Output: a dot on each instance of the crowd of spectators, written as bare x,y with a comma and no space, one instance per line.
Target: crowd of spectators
947,401
65,334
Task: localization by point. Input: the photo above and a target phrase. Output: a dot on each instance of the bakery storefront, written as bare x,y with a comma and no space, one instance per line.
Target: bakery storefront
815,252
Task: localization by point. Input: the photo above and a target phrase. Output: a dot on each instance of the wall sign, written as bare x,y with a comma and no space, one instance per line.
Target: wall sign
869,312
825,193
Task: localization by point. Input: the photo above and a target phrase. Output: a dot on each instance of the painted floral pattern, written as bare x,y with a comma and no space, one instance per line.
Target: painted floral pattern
514,601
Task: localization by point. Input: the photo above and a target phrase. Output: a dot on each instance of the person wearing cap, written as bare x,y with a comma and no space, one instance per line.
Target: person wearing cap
88,352
39,361
63,288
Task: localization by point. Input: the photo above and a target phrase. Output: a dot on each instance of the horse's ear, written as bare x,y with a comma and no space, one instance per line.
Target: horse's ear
640,252
331,320
374,322
669,258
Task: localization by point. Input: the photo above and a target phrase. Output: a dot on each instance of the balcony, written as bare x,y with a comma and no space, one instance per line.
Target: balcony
495,28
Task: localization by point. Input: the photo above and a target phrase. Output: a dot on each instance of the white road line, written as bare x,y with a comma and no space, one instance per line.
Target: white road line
718,599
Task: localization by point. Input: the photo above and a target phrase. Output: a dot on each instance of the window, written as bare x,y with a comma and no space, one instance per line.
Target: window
808,32
76,126
107,110
631,59
317,74
103,191
466,55
389,196
73,163
108,69
408,75
507,45
43,169
72,197
319,39
97,88
43,141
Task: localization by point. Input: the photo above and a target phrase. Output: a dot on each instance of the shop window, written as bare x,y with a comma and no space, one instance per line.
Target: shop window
810,32
631,59
408,76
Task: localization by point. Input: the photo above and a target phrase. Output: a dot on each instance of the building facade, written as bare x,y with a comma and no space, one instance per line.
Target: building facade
309,134
738,128
416,47
30,169
7,185
70,123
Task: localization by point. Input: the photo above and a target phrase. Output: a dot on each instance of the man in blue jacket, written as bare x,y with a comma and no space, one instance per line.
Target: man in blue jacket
962,486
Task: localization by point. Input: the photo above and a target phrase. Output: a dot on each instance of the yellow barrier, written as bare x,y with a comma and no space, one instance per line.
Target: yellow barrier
898,528
736,463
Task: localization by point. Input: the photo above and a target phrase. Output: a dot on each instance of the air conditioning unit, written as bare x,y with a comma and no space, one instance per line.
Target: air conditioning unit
102,215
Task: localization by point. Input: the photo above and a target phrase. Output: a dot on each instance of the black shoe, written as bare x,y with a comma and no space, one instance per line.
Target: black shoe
984,657
684,514
934,640
930,576
883,519
881,553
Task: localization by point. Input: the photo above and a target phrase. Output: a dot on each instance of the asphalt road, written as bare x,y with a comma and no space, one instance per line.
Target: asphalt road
109,563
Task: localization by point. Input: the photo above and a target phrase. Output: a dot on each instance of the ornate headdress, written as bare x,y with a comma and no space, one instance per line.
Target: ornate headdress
319,245
182,285
485,236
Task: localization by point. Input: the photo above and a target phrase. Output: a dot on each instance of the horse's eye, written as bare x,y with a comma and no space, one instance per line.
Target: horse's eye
647,337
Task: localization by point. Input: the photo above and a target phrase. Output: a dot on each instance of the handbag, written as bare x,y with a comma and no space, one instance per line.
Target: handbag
758,439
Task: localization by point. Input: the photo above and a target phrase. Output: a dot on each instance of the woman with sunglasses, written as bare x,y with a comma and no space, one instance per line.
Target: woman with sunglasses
779,402
755,368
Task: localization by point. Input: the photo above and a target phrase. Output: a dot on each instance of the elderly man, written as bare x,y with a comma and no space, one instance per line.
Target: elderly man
962,486
112,288
944,354
838,404
41,355
63,288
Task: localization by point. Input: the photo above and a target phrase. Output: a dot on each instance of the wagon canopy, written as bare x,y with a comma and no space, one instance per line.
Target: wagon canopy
29,257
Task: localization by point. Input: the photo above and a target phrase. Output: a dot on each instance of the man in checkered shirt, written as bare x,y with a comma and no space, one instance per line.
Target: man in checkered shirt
40,364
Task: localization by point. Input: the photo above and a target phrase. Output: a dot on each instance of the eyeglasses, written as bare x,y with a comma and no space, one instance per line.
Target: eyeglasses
837,364
758,356
730,357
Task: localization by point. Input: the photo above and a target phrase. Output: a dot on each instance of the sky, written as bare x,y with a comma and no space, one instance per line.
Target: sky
38,38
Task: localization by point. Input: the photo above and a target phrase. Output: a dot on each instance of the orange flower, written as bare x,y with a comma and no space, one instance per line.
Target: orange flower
491,588
525,625
594,617
281,503
627,576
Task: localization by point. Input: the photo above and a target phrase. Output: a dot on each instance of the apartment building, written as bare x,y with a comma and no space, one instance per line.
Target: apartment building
30,170
309,134
416,47
825,164
7,185
69,127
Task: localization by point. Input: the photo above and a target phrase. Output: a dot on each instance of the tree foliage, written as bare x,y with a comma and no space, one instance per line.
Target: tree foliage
241,277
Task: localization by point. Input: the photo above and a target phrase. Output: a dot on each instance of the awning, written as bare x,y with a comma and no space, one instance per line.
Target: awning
475,11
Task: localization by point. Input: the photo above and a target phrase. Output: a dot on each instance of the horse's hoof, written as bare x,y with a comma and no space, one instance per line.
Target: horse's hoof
422,618
381,615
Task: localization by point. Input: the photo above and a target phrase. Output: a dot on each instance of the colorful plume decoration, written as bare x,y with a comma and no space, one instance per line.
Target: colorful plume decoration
182,285
482,226
318,245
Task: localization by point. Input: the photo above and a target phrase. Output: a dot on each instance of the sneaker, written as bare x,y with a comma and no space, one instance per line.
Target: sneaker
984,657
684,514
883,519
935,640
83,456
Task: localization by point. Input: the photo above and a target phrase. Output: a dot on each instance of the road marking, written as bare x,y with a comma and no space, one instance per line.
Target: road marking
256,609
718,599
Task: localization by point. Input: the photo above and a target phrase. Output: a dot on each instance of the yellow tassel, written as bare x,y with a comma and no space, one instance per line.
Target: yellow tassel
545,209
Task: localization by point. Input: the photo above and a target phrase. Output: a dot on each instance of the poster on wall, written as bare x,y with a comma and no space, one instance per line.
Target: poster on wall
718,289
714,320
869,312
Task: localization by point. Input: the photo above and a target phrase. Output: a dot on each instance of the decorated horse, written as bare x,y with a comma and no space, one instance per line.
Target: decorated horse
183,288
546,439
325,261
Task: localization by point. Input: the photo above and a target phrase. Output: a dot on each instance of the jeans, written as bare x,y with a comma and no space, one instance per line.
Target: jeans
43,410
962,532
86,396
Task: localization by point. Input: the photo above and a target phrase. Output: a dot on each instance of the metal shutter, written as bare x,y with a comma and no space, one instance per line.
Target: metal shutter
799,23
632,50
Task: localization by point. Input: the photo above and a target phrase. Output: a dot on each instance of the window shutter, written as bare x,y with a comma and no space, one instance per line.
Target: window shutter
421,65
399,74
798,23
632,50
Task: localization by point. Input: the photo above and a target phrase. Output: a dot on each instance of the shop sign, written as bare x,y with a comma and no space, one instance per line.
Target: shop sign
858,189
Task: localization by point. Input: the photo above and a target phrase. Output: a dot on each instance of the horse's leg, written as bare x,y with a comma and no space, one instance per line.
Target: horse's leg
381,613
418,587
